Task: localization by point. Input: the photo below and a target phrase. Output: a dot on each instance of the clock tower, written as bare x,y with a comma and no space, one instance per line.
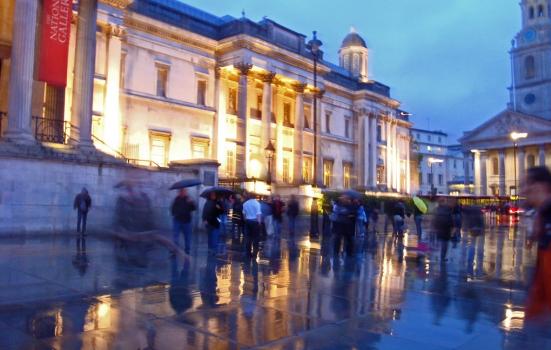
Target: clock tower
531,60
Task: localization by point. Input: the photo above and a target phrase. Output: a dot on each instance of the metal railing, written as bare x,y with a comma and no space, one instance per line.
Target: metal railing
50,130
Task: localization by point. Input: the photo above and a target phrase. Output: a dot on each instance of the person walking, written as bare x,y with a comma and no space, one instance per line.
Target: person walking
399,217
277,214
418,218
237,216
292,214
443,226
537,191
361,219
344,213
82,204
211,218
253,218
182,208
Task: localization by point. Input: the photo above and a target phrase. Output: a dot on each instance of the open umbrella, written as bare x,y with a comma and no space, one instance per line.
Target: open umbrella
186,183
420,204
352,194
221,191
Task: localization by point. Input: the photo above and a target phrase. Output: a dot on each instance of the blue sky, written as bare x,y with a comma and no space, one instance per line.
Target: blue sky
446,60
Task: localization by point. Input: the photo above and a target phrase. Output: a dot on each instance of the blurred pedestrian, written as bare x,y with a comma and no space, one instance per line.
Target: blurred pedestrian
211,218
253,218
374,219
277,214
361,219
267,223
182,208
418,218
82,204
292,213
443,226
399,217
537,191
457,220
344,215
237,216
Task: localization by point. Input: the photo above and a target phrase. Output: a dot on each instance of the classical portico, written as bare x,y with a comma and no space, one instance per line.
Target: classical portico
497,156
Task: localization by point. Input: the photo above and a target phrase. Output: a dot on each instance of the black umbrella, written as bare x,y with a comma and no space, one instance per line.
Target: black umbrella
352,194
186,183
221,191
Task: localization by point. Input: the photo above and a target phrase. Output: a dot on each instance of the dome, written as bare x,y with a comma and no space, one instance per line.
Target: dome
353,39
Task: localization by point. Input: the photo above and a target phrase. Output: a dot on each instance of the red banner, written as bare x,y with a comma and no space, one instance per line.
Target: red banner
54,42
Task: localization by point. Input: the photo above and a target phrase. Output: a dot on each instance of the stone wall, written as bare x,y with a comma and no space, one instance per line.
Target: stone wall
36,195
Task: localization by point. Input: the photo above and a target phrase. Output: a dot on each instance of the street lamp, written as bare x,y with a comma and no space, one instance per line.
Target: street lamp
515,136
314,46
431,162
269,153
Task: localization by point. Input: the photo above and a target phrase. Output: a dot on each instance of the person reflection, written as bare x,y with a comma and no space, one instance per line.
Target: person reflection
440,295
178,293
209,282
250,288
80,260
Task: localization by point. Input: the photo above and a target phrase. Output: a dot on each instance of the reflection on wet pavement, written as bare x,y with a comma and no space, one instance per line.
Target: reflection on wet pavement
71,293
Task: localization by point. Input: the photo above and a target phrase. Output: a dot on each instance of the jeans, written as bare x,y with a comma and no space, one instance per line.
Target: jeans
81,220
269,224
277,226
344,231
185,228
443,249
419,225
213,233
252,238
292,224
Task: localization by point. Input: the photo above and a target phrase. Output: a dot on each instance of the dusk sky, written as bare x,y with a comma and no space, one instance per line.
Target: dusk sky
446,61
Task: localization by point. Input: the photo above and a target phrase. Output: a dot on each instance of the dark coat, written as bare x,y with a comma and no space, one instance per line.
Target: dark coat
182,207
211,211
443,222
82,202
292,208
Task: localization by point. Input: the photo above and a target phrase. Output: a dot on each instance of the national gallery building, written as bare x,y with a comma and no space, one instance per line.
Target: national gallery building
157,82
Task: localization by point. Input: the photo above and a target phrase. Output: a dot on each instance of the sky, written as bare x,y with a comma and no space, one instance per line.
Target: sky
446,61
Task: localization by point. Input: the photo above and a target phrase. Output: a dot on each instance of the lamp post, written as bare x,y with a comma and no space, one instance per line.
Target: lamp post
515,136
314,46
269,153
431,162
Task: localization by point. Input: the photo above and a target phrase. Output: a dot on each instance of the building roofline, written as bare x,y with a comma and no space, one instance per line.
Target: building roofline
434,132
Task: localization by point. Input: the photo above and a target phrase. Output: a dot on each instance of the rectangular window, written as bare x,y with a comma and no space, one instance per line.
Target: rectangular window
287,114
232,101
199,147
381,177
307,116
429,137
257,112
379,132
230,159
430,179
286,170
347,173
328,122
420,178
159,147
162,79
307,170
202,92
347,128
455,163
327,173
440,179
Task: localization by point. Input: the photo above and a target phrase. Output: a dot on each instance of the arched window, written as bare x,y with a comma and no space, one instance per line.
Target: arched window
495,166
356,64
531,12
531,161
529,67
541,11
347,61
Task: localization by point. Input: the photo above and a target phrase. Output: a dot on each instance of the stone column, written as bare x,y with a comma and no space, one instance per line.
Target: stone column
477,174
360,156
113,122
319,159
388,160
408,165
21,72
502,175
374,151
521,165
542,155
466,171
242,133
85,66
483,175
397,162
267,112
216,152
299,127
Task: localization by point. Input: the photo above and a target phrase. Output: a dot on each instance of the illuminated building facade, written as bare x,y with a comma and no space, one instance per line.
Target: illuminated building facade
171,82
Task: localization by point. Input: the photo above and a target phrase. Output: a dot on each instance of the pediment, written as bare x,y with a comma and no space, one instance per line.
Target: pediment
502,125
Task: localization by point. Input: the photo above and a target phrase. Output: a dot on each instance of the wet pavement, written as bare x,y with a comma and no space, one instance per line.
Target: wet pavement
66,293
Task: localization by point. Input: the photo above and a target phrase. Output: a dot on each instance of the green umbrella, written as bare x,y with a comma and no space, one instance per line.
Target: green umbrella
420,204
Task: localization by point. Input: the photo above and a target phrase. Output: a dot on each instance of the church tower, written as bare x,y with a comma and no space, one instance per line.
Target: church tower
353,56
531,60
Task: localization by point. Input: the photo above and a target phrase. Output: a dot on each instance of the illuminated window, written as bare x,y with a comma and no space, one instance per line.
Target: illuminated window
159,143
429,148
327,173
286,170
230,159
531,160
199,147
202,92
381,175
232,101
162,79
529,67
495,166
347,173
98,99
122,72
307,170
257,112
287,114
307,116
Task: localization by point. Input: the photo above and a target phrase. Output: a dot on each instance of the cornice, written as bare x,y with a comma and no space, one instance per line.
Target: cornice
120,4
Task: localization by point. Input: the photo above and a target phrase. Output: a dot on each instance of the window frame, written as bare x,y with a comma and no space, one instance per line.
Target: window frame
166,137
199,81
328,165
162,90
